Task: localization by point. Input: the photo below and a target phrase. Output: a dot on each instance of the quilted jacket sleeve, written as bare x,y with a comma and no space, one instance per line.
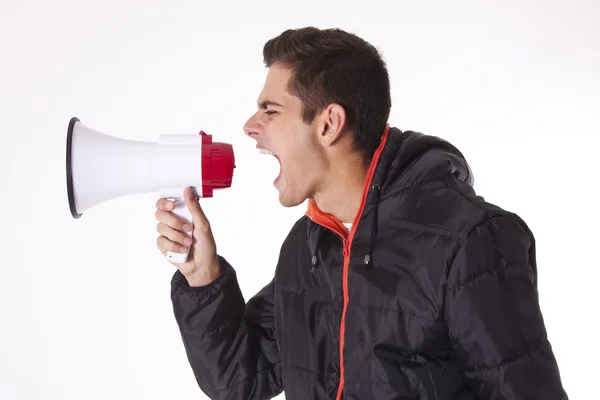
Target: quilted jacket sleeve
230,345
494,318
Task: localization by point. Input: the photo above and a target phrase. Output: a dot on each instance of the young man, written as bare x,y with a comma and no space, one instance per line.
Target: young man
399,282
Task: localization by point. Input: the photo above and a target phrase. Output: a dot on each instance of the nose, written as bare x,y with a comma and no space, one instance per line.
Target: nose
252,126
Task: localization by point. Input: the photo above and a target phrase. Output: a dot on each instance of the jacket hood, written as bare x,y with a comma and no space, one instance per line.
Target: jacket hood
402,159
410,157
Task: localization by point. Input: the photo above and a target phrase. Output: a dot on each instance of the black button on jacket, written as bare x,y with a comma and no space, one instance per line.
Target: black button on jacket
432,295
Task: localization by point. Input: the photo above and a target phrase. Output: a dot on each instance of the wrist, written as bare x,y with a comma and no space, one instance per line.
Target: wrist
204,276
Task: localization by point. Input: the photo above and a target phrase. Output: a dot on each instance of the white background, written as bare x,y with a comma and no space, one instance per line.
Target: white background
85,311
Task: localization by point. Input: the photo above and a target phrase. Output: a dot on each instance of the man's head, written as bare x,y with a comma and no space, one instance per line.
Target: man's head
326,99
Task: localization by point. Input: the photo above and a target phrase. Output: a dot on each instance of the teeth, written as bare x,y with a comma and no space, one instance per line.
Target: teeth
265,151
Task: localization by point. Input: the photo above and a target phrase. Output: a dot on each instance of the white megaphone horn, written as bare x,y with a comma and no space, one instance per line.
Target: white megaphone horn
101,167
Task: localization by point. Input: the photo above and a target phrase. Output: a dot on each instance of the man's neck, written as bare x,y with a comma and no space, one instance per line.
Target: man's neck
342,188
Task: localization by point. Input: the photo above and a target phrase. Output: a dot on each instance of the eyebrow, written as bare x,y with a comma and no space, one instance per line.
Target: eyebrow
267,103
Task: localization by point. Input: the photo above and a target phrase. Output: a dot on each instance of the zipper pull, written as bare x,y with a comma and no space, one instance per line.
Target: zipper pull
346,249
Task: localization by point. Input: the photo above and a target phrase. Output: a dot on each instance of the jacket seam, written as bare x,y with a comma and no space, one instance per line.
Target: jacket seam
463,239
358,306
246,379
395,310
322,374
406,379
445,182
214,331
513,360
419,227
463,242
390,192
306,294
291,289
488,217
492,271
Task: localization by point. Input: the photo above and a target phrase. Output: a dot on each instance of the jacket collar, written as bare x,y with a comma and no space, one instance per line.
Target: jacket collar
371,188
402,159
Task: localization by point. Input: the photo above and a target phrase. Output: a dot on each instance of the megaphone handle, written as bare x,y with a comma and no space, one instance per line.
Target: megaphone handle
182,212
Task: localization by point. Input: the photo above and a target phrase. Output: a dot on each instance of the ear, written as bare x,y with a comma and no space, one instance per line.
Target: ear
332,124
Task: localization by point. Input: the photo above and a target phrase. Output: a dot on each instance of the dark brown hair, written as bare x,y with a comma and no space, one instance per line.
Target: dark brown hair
334,66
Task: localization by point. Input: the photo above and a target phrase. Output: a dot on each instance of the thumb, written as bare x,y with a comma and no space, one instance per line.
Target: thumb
193,205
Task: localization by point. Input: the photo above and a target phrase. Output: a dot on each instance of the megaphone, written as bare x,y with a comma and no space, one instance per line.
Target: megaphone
101,167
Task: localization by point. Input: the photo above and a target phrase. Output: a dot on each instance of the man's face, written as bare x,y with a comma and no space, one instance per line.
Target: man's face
278,127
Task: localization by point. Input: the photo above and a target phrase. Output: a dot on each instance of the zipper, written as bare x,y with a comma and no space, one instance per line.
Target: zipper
347,244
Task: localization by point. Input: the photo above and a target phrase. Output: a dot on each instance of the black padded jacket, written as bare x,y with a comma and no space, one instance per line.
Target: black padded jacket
431,295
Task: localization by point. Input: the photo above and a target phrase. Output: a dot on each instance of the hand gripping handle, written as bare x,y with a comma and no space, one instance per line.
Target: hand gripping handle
182,212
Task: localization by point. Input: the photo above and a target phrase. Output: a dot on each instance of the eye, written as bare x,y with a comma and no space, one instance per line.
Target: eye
270,112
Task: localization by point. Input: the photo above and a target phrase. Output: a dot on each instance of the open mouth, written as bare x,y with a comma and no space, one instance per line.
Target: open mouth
265,151
270,153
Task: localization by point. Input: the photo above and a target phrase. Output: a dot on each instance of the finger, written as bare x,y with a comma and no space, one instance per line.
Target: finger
173,221
193,204
173,234
165,204
164,244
